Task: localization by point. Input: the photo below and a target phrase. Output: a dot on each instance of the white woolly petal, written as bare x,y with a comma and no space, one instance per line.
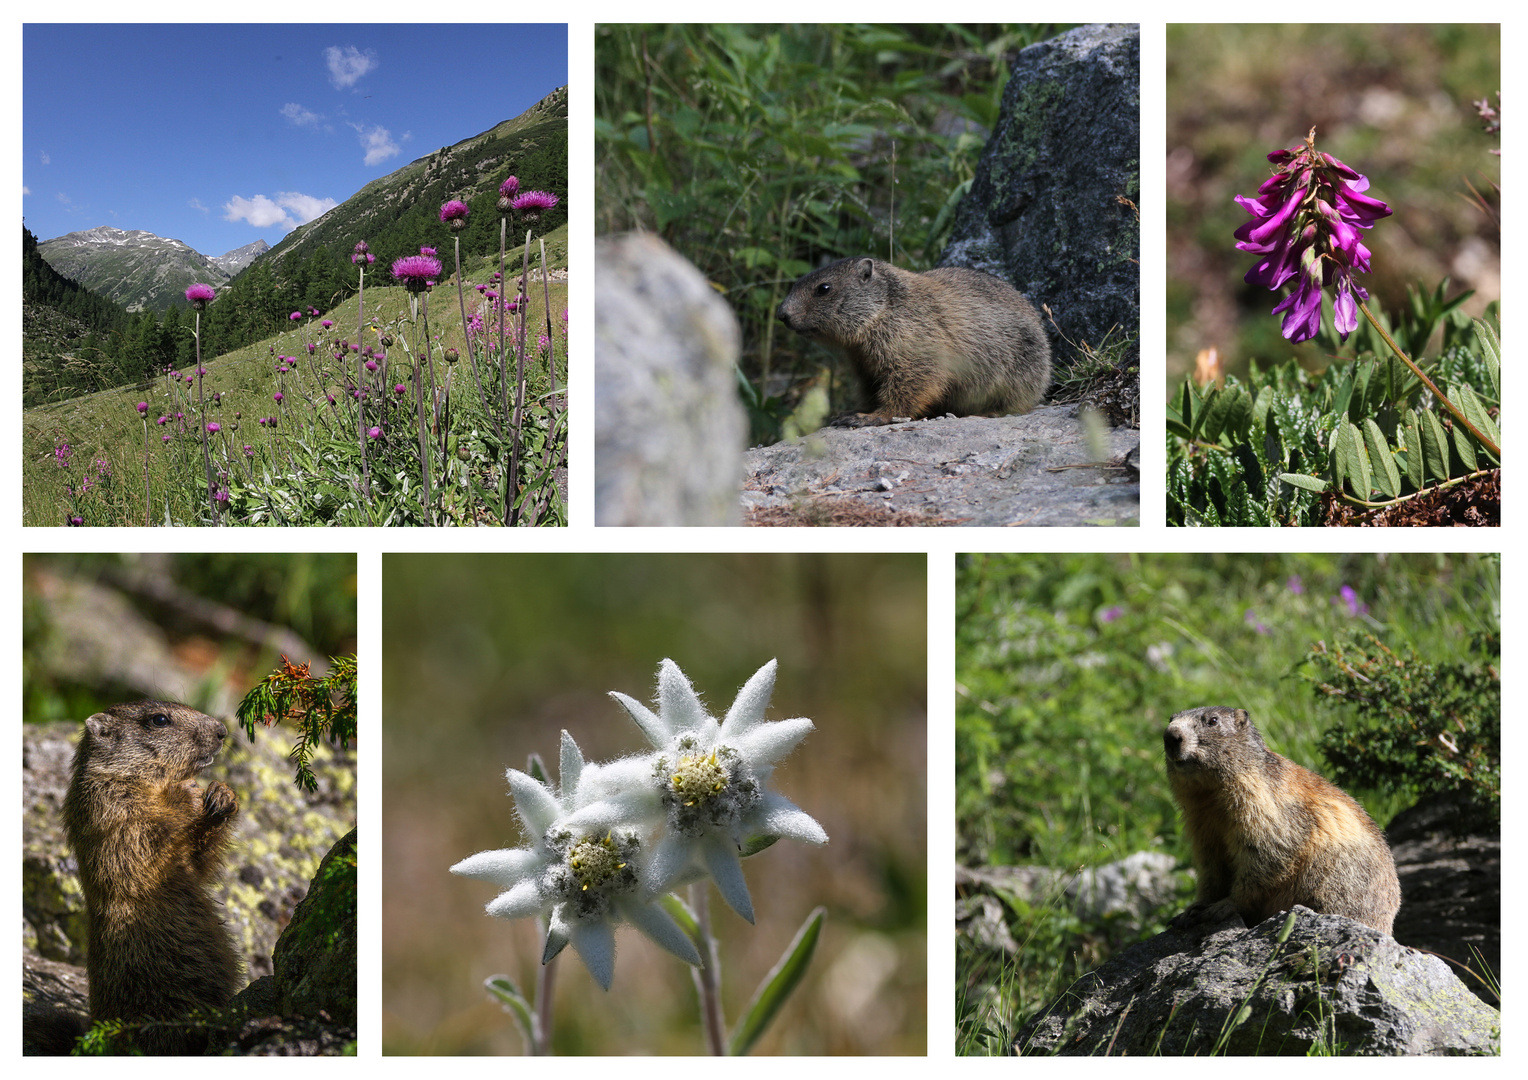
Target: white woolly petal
570,767
659,925
751,702
522,900
595,942
721,859
679,704
625,778
534,802
765,744
778,816
502,868
652,726
668,862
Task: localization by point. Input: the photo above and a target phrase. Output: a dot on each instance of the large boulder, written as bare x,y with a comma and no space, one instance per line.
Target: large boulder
1333,984
669,427
1053,206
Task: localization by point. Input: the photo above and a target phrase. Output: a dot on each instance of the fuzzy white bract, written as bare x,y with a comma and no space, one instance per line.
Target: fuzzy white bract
711,779
583,868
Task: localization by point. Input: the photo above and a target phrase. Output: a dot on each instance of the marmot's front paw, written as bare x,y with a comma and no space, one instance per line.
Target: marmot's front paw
219,803
858,420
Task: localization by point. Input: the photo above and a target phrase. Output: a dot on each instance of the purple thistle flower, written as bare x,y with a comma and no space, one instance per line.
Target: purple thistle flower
400,389
429,252
164,438
371,365
143,408
507,194
374,433
1305,222
76,522
326,324
249,451
415,272
200,295
214,427
530,204
454,213
277,397
164,420
295,316
361,248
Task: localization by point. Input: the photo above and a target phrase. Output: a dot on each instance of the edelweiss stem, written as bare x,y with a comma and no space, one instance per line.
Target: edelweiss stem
708,975
1447,404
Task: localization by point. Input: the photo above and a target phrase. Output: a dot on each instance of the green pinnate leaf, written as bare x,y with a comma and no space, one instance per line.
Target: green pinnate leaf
1386,475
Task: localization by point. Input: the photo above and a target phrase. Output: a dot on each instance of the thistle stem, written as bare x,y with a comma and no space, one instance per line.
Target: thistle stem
1447,404
708,976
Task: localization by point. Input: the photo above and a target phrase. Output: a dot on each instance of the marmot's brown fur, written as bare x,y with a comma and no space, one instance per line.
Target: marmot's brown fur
1268,834
947,340
148,841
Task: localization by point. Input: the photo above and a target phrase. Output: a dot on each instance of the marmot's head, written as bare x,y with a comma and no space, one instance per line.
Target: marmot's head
832,303
1212,738
150,740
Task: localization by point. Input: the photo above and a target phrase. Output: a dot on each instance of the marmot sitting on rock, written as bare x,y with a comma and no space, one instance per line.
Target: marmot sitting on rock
947,340
148,842
1268,834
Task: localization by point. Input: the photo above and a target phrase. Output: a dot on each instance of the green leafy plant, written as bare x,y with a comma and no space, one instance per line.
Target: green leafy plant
321,708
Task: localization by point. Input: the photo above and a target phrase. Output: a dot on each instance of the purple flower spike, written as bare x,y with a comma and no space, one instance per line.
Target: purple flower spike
1304,230
199,296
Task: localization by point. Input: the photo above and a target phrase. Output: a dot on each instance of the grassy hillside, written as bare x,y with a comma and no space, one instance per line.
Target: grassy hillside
105,434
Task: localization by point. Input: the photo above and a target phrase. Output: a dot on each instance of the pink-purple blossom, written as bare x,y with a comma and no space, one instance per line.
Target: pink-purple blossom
530,204
454,213
143,409
1304,230
415,272
200,295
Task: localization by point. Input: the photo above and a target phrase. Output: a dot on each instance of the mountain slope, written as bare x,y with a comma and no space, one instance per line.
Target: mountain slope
138,269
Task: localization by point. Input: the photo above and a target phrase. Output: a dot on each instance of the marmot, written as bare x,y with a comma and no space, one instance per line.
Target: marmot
1268,834
148,841
947,340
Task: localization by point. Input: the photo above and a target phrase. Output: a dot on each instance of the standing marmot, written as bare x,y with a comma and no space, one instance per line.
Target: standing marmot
1267,834
948,340
148,841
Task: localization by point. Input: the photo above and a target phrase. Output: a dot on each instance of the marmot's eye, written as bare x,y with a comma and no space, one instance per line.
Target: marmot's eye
824,288
159,720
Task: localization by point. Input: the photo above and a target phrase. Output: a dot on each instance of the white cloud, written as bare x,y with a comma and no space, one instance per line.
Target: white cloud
64,199
25,190
300,116
46,160
286,211
378,142
347,65
196,204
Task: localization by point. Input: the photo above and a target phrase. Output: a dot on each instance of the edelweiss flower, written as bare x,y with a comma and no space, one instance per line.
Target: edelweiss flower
582,869
711,780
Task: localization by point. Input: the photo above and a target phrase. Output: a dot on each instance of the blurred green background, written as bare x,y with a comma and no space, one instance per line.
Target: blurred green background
96,625
488,657
1393,102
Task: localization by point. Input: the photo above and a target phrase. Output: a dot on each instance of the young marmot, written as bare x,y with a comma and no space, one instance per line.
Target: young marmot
947,340
148,841
1268,834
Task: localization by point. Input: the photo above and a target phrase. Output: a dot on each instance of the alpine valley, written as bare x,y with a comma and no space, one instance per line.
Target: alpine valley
139,270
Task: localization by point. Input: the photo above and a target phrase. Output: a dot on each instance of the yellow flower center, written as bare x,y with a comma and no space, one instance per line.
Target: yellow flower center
698,779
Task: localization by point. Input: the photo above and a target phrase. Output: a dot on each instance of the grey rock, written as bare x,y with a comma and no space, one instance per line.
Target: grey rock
969,470
669,428
1451,889
1334,982
1044,211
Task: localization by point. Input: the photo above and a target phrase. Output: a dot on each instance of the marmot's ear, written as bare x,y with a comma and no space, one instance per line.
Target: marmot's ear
1242,718
866,269
97,724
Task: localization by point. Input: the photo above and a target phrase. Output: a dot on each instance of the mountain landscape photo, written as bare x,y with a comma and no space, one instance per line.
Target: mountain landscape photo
106,319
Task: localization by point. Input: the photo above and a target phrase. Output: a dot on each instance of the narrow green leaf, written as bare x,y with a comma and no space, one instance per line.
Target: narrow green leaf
1386,474
681,913
1475,409
1434,446
1412,433
1205,416
1300,480
503,991
1464,446
777,985
1186,407
1490,348
1351,465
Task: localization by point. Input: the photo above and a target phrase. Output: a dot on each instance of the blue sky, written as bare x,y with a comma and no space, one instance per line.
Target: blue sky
219,135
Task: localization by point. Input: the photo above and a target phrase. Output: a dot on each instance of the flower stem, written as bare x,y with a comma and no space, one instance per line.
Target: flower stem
546,983
360,377
708,976
1447,404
